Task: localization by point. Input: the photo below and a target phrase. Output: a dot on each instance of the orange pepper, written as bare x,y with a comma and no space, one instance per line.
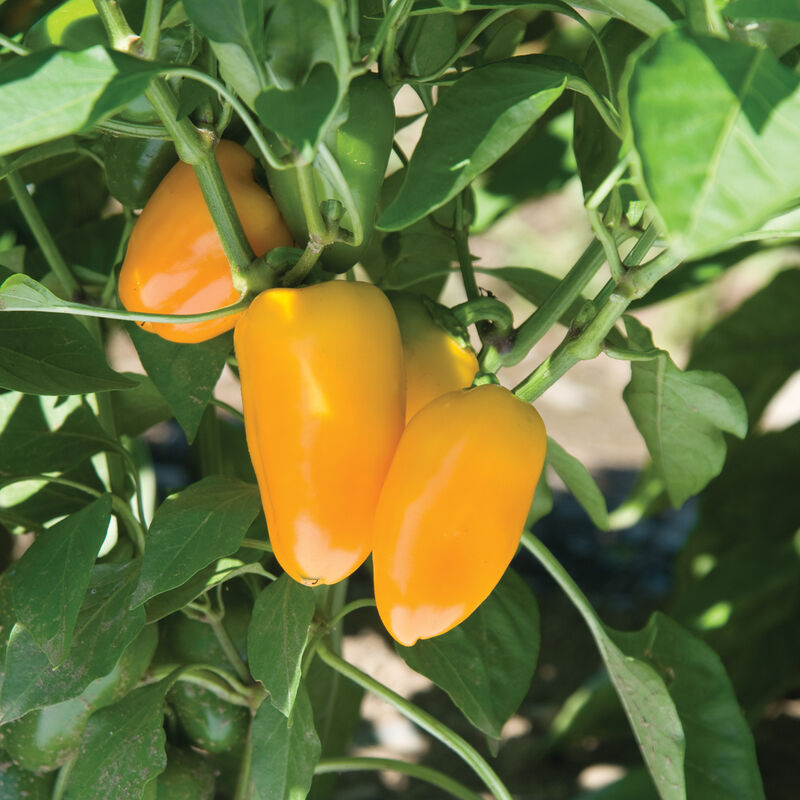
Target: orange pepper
453,508
435,362
175,263
324,402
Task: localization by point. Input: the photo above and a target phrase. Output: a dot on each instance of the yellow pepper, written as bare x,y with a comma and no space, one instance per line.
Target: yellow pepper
324,402
453,507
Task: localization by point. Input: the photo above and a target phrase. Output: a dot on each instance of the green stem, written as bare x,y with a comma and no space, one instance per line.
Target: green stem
419,771
705,18
133,130
13,46
228,647
538,550
151,28
605,237
235,104
395,16
236,695
81,310
556,305
601,192
257,544
421,718
607,112
304,264
40,231
120,34
234,412
244,788
588,343
460,236
62,779
334,172
353,605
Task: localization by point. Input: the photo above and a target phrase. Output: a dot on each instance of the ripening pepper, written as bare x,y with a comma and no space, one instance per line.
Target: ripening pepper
435,362
324,402
453,507
361,146
175,263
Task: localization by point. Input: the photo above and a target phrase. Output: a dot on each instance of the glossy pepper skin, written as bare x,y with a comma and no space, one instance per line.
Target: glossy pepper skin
435,362
361,146
175,263
324,404
135,167
453,508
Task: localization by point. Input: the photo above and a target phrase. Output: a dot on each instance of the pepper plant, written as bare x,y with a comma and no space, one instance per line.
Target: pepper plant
152,646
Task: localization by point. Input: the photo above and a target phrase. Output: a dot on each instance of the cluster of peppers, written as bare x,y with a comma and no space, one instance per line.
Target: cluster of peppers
363,433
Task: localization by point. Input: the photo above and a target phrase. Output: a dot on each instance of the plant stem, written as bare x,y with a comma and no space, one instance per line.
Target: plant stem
80,310
556,305
460,237
40,232
133,129
421,718
419,771
588,343
244,788
151,28
227,407
231,653
209,443
540,552
257,544
13,46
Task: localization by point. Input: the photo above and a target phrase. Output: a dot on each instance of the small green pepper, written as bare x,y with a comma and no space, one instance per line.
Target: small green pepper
361,146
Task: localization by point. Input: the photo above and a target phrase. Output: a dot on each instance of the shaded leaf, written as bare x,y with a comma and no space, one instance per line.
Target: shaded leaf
276,639
285,751
682,416
55,354
28,445
720,752
51,578
578,480
651,713
185,374
487,662
122,747
105,627
191,529
757,346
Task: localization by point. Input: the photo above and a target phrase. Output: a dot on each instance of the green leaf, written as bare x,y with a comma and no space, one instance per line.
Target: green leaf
30,444
54,354
645,15
476,121
139,408
652,715
235,31
51,578
105,627
122,747
185,374
487,662
300,114
681,416
277,637
175,599
53,93
579,482
715,155
720,752
191,529
285,751
757,346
